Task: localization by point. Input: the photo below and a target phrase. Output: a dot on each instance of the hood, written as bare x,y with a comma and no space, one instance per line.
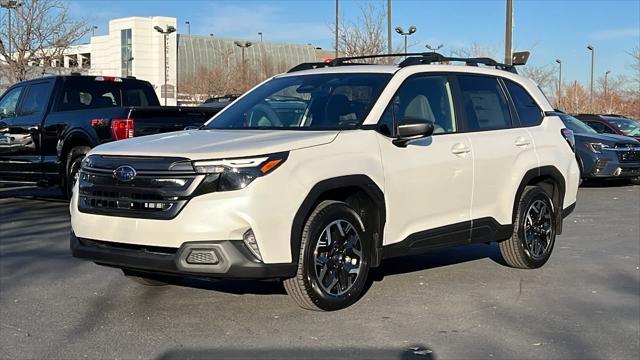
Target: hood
608,139
217,144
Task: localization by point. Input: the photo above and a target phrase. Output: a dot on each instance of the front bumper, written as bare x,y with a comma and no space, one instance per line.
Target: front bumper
231,260
605,167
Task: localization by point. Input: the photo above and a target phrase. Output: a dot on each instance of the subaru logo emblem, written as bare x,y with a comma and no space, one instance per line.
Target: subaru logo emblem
124,173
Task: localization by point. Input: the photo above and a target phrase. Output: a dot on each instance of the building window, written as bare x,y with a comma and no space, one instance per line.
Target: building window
126,52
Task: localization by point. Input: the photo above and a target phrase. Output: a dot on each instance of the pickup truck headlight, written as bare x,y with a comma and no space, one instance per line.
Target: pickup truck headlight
597,147
235,174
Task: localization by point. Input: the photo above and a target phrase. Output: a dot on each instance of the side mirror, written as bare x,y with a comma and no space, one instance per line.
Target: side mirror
412,129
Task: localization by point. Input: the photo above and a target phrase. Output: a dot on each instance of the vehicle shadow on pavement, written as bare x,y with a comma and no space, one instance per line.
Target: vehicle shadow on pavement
412,352
436,259
605,183
52,194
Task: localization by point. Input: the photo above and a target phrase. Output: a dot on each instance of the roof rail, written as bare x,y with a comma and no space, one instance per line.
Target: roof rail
519,58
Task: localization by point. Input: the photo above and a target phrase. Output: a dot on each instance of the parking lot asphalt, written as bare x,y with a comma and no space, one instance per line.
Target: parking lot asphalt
451,304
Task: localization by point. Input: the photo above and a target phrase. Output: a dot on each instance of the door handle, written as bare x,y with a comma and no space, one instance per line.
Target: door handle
34,128
521,141
460,149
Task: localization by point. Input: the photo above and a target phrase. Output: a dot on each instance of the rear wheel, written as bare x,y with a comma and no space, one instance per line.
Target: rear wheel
534,231
74,161
635,180
144,278
334,259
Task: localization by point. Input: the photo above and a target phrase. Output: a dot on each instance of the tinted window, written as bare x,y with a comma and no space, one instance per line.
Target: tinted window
423,97
484,103
36,99
527,109
600,127
326,101
9,102
576,125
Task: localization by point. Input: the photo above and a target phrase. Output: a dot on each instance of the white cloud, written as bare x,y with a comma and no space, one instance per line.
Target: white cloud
616,33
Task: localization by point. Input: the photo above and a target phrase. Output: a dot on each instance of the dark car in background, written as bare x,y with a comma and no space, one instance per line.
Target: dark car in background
612,124
48,124
604,156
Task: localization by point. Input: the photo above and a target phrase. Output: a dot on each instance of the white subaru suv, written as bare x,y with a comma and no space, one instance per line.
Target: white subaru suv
317,175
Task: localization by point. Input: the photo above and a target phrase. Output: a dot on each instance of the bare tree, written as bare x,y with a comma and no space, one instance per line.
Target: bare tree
476,50
544,76
42,30
364,36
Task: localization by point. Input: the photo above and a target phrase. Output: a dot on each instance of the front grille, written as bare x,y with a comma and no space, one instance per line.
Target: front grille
629,156
153,193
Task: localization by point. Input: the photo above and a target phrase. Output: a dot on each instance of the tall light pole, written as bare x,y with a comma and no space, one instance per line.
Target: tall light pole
593,51
188,23
508,34
434,48
260,34
559,83
412,30
129,60
165,32
389,45
93,30
10,5
337,29
243,45
606,74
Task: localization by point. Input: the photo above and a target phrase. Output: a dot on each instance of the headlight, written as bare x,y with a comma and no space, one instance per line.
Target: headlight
597,147
235,174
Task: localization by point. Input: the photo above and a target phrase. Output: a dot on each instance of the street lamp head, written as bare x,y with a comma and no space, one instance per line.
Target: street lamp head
590,47
187,22
259,32
399,30
412,29
94,27
158,29
170,29
607,72
558,61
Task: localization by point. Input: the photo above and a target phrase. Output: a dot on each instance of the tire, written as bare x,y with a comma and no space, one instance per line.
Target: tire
74,161
339,256
143,278
635,180
517,251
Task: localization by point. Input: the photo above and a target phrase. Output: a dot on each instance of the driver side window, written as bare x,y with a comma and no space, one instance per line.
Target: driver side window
424,97
9,102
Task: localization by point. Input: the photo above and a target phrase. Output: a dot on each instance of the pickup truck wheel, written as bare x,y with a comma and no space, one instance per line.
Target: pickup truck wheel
74,160
534,231
334,259
142,278
635,180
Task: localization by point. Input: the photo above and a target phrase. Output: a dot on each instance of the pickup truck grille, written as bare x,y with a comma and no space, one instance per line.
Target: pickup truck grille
154,192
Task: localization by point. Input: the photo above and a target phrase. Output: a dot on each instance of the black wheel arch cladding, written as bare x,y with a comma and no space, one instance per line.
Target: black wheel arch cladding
372,209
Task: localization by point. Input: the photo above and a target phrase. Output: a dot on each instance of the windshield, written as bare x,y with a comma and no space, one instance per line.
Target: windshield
575,125
322,102
628,127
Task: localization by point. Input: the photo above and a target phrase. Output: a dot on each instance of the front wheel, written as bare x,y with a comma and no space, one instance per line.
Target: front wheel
334,259
534,231
74,162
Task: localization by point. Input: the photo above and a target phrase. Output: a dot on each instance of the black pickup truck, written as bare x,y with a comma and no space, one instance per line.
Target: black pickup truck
47,125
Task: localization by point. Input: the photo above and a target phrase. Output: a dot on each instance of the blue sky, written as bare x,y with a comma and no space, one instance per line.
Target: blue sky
550,29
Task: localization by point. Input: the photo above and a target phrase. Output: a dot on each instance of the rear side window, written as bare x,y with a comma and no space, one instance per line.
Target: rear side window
484,103
600,127
36,99
528,111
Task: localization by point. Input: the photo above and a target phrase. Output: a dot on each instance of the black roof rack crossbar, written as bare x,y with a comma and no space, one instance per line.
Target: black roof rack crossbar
520,58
